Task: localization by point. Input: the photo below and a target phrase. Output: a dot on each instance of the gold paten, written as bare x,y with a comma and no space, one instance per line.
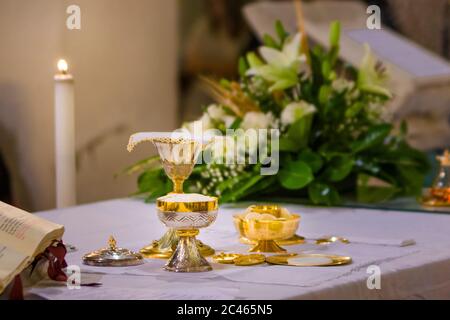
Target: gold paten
226,258
334,260
249,260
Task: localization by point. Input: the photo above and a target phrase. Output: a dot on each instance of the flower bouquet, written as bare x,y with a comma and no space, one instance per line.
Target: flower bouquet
333,140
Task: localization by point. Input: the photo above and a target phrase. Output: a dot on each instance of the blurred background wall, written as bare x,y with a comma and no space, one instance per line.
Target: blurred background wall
124,61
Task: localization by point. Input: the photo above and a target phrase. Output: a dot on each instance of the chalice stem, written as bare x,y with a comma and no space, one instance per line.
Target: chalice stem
178,185
187,257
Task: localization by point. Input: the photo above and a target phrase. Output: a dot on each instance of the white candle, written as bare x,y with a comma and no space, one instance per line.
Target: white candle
65,137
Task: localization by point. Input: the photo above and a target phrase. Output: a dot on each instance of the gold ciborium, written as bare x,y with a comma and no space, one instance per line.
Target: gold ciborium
181,213
277,211
265,228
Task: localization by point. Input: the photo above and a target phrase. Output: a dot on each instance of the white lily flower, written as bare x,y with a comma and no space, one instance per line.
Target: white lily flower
281,67
258,120
217,113
200,125
295,111
372,75
289,56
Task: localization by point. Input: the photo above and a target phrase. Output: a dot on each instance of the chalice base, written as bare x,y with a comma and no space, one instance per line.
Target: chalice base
187,256
164,247
295,239
267,246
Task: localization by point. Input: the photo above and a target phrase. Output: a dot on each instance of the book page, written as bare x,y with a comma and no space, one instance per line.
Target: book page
11,263
24,232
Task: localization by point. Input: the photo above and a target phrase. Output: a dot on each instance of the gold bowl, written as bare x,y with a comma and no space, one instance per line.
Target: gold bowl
272,209
265,233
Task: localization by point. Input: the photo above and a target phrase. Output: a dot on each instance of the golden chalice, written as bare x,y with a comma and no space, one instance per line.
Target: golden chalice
265,227
178,153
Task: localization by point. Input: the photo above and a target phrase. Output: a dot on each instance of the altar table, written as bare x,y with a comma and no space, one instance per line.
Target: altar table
420,271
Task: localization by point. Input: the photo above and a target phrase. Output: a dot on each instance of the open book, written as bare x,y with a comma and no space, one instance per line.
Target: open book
22,237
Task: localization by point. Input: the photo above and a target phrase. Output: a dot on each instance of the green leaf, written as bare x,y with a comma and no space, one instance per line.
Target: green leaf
373,193
236,123
282,77
326,69
311,158
412,180
299,131
339,168
321,193
353,110
149,180
295,175
288,145
335,33
243,67
375,136
324,94
253,60
281,32
145,164
270,42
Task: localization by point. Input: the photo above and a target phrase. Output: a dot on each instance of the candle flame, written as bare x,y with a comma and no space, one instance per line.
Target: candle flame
63,66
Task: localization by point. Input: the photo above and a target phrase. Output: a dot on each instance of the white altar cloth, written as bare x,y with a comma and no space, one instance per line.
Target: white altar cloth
411,272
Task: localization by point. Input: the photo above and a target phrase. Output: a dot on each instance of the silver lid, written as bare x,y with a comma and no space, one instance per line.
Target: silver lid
113,256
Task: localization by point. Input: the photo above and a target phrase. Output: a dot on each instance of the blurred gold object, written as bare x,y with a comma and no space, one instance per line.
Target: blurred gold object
439,193
226,258
331,239
308,260
274,210
249,260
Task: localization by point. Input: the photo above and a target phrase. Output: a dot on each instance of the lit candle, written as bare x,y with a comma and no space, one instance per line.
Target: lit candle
64,137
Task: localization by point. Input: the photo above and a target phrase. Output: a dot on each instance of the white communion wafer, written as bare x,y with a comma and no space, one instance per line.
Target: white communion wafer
309,261
186,197
259,216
